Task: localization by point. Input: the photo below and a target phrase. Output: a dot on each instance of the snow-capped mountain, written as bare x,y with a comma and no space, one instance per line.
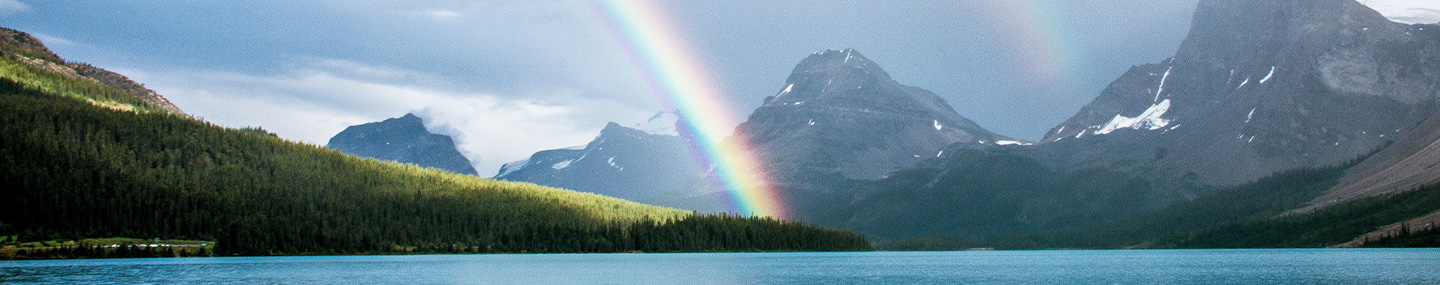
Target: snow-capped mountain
1258,87
839,112
402,139
621,162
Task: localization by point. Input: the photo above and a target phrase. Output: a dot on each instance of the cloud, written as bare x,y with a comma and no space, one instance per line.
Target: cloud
438,14
1406,11
313,103
8,7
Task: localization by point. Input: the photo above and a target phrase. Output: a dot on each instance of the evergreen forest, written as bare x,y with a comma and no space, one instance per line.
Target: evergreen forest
83,160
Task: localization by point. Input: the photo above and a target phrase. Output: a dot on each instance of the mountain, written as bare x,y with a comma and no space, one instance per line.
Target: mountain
79,166
839,112
1258,93
27,49
621,162
1407,164
1259,87
404,140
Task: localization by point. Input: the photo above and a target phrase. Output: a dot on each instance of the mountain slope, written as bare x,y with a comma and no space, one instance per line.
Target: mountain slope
404,140
621,162
76,169
839,112
28,50
1259,87
1408,164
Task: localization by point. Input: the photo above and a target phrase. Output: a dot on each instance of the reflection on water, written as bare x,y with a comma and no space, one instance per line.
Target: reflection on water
1344,266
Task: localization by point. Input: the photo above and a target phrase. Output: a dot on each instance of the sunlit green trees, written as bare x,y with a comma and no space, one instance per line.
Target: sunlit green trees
73,169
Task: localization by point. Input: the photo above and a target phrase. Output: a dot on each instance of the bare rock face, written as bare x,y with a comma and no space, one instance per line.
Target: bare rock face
25,42
839,112
124,84
30,50
1259,87
621,162
402,139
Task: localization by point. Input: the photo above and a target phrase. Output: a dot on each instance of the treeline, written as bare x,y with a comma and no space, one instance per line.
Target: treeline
32,77
1250,215
1002,194
1407,238
75,170
1325,227
101,251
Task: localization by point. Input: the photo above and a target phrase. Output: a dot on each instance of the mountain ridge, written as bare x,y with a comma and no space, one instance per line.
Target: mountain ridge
1259,87
620,162
840,112
32,51
403,139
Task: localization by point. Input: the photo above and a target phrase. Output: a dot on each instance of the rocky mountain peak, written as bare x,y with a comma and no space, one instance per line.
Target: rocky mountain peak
1258,87
621,162
402,139
837,76
1237,33
840,112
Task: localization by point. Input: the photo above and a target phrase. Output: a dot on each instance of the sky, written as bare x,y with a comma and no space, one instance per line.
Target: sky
509,78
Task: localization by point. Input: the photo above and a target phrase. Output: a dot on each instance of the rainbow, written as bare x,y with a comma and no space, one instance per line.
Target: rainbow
680,80
1034,29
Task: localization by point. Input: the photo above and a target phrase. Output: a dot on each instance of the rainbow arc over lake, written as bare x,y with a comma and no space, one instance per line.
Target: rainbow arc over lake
681,80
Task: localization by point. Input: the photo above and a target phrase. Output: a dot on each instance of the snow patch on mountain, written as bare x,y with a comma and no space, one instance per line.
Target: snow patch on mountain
662,123
1162,84
508,168
562,164
1149,120
1268,75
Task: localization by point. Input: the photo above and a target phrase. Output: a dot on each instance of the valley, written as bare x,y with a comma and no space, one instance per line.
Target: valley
1274,124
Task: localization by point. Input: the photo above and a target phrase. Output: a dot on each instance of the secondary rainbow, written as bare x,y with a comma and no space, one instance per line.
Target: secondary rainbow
681,82
1036,31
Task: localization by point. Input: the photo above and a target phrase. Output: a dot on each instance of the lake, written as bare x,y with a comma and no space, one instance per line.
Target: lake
1251,266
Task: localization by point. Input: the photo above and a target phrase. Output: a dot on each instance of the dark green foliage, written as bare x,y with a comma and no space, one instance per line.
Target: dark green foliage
103,251
1257,200
726,232
986,194
73,169
1426,238
927,243
1244,216
1325,227
31,77
6,46
258,131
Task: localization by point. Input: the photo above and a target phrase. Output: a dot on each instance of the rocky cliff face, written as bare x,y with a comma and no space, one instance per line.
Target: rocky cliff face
621,162
1258,87
31,51
402,139
839,112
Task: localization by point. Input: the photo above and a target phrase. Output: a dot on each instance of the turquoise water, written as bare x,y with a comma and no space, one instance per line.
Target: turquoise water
1248,266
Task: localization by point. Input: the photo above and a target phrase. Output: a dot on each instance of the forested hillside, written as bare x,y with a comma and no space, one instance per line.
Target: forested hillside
1251,215
114,166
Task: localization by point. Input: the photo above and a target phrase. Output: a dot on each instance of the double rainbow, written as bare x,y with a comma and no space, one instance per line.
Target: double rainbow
1037,32
681,81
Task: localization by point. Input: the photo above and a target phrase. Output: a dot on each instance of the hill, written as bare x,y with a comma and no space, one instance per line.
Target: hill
83,159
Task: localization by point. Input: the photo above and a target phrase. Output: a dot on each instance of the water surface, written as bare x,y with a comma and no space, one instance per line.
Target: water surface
1250,266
